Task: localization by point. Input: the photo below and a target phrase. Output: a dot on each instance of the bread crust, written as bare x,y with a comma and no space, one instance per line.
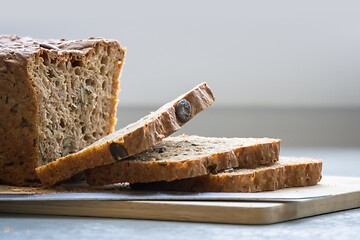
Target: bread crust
250,152
18,153
20,131
288,172
135,138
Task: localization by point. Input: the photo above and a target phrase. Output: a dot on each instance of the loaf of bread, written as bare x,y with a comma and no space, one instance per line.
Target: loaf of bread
287,172
133,139
186,157
56,97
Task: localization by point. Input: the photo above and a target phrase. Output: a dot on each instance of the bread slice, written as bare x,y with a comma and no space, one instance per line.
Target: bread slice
287,172
56,97
186,157
133,139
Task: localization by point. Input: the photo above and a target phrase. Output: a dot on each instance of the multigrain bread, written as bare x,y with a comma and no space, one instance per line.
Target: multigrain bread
287,172
56,97
133,139
186,157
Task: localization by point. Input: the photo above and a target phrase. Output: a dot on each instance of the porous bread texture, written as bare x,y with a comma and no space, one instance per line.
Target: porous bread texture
133,139
287,172
56,97
186,157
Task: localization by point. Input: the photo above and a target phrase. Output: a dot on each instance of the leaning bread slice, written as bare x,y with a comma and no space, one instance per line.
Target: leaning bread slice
287,172
133,139
186,157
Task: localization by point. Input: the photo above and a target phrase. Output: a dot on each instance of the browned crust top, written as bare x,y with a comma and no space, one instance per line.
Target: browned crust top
257,152
15,45
134,138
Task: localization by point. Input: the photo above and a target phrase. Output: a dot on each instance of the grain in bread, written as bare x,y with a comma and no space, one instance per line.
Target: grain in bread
56,97
287,172
133,139
186,157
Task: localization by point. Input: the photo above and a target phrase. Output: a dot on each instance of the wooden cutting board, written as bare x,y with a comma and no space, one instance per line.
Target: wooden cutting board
332,194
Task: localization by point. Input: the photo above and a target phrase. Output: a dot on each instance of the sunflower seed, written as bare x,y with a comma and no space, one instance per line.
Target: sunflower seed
88,90
41,148
183,110
62,94
67,145
73,106
162,163
83,96
118,151
49,46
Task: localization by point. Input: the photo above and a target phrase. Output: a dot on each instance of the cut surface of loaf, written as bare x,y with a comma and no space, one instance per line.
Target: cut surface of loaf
186,157
56,97
287,172
133,139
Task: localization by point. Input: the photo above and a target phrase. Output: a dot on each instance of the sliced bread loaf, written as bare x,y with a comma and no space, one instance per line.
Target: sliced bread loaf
186,157
133,139
56,97
287,172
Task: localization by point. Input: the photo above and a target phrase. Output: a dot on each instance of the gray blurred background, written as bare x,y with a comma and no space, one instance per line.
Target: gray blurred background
284,69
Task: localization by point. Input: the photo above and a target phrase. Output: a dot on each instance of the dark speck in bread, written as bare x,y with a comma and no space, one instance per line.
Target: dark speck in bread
183,110
118,151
